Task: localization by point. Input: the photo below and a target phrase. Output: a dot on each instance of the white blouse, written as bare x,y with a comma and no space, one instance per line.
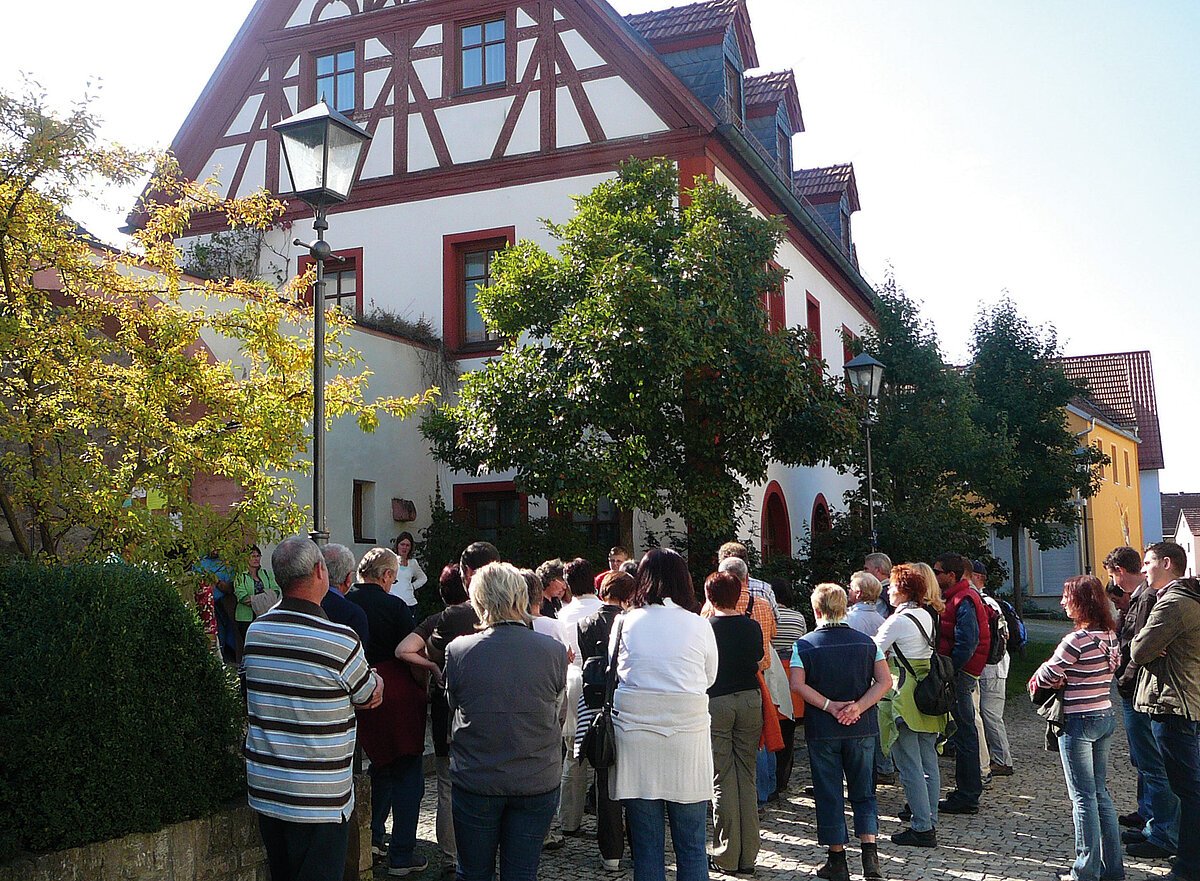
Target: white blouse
666,648
901,629
409,580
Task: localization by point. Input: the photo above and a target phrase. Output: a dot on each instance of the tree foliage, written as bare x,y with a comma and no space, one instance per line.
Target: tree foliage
109,391
1036,467
638,365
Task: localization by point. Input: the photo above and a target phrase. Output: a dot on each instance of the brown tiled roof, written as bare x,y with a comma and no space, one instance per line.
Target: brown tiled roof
771,88
1100,411
817,184
694,20
1192,516
1171,504
1124,383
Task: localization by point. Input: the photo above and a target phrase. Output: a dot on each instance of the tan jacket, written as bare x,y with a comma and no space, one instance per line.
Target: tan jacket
1167,650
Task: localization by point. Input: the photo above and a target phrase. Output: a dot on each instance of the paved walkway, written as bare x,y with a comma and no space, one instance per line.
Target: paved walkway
1023,831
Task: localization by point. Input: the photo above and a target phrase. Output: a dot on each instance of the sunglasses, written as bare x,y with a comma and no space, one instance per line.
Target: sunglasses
1115,590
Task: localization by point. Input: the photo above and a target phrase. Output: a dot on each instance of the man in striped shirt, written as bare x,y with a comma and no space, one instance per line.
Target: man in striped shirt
303,674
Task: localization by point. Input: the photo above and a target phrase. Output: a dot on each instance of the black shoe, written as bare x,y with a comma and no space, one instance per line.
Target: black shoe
1134,820
1147,850
885,779
912,838
870,862
955,806
746,870
809,790
713,867
1132,836
835,868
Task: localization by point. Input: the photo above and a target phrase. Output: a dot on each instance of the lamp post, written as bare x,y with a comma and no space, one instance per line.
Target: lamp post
321,149
865,376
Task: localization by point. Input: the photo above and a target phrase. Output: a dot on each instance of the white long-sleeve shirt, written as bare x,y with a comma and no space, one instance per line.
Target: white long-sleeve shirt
409,579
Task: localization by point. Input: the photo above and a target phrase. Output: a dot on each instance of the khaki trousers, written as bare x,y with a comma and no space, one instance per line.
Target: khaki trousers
736,728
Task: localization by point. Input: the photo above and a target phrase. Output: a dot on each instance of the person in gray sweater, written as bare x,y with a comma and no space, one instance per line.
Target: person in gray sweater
505,688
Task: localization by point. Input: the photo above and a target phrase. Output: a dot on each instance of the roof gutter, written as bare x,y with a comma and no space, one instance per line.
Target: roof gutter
737,140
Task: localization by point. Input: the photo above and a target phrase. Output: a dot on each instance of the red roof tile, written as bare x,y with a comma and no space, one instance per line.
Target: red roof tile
696,19
768,89
1124,383
833,180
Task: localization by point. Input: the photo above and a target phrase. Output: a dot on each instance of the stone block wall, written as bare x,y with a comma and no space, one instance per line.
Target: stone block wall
224,846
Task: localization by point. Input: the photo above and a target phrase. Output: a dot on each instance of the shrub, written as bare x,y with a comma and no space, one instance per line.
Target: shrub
115,715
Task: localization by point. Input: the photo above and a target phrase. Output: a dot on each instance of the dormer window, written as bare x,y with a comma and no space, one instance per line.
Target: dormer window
784,152
733,91
482,53
335,80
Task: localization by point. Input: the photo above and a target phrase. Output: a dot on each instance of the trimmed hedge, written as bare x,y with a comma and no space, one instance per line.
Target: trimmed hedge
115,716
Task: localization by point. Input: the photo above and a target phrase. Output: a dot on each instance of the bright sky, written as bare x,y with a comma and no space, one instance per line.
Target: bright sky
1044,149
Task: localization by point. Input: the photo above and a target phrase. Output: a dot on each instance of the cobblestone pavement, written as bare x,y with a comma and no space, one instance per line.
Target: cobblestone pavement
1023,831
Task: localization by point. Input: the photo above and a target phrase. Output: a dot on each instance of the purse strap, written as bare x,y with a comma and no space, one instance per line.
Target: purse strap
610,685
900,655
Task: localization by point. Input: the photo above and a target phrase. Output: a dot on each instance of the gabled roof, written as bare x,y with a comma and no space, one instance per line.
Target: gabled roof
1192,517
769,89
1172,503
827,184
1094,408
1124,383
708,18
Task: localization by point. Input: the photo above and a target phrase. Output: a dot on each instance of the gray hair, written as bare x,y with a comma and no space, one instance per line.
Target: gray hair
878,560
339,560
867,585
499,593
735,567
294,559
375,562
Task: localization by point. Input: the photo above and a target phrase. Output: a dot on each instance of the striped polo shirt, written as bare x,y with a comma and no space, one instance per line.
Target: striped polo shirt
1085,661
303,673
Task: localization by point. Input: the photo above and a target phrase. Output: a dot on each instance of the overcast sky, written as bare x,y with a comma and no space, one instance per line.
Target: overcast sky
1044,149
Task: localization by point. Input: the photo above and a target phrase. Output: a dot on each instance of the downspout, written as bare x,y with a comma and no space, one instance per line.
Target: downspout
1085,549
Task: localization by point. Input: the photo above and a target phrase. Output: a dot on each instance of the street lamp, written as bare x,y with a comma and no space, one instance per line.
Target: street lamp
321,150
865,376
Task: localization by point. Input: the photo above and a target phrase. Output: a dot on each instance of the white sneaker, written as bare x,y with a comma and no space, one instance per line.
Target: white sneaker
612,865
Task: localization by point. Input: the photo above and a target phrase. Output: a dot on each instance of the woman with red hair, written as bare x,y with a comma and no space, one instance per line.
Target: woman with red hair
1082,666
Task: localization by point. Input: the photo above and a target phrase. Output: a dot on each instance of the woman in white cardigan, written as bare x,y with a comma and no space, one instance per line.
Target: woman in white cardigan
666,661
410,577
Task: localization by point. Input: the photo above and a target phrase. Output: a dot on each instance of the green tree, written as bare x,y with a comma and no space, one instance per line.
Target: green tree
638,364
1034,468
108,393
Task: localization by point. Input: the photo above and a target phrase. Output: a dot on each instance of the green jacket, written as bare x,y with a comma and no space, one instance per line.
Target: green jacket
1167,650
243,589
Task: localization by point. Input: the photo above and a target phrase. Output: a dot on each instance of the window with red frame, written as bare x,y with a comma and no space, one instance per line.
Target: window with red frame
482,54
774,303
849,338
468,262
491,509
602,524
343,280
814,325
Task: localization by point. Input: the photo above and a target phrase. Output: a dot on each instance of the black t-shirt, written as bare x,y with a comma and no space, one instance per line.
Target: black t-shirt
739,649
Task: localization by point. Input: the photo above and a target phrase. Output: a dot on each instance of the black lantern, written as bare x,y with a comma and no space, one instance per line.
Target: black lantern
321,148
865,376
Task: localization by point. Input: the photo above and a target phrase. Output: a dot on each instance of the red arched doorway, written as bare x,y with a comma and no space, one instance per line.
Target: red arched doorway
776,525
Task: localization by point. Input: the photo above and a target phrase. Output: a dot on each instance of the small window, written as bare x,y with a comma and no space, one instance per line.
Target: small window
784,149
602,525
1100,450
363,513
335,80
774,303
1128,473
469,266
1113,455
483,51
733,90
343,281
814,327
490,510
476,275
849,337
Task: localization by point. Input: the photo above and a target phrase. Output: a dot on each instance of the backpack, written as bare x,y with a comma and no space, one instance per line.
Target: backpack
1018,636
933,695
998,629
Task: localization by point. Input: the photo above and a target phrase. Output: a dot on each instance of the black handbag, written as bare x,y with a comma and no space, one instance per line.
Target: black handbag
599,745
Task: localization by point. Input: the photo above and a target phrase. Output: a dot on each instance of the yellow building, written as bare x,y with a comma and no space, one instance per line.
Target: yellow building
1113,516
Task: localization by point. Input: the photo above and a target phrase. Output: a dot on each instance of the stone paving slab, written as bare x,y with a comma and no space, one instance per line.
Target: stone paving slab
1023,831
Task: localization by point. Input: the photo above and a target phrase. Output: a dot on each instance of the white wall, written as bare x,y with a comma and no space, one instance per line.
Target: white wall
1184,538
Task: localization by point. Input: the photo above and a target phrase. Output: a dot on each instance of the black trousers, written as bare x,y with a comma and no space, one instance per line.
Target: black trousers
610,819
786,756
304,851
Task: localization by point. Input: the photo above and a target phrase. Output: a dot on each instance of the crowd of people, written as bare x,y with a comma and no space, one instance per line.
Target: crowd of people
517,673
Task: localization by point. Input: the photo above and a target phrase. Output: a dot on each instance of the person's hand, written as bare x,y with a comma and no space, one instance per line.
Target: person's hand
836,707
570,655
849,713
376,696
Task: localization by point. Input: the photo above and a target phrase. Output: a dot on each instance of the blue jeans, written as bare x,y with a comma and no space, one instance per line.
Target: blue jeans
514,825
648,843
1179,742
916,758
884,764
1157,803
397,790
830,761
968,779
764,775
1083,747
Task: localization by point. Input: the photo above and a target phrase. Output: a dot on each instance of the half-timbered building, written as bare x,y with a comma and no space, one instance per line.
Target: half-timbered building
486,117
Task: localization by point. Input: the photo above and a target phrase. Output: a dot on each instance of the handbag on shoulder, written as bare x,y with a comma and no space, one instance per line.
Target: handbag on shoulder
599,745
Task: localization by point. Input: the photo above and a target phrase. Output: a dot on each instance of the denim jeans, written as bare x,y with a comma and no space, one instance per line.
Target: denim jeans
830,761
304,851
397,790
1156,802
514,825
991,710
968,780
916,758
1177,740
1083,747
764,775
647,838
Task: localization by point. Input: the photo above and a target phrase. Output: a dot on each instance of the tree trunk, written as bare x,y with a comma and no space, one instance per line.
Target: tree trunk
1018,591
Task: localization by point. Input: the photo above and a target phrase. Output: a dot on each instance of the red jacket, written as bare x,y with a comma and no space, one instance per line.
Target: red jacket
960,593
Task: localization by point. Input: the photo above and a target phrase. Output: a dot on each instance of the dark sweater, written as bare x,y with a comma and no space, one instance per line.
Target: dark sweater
388,617
739,649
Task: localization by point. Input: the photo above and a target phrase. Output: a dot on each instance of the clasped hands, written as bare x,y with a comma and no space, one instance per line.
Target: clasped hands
846,712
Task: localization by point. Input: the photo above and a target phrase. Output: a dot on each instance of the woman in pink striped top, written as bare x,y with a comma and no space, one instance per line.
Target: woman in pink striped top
1083,666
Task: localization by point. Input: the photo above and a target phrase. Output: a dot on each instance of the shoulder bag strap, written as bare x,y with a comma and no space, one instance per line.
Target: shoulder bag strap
749,606
927,637
610,686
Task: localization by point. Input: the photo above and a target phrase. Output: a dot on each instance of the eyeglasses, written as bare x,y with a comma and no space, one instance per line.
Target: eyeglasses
939,571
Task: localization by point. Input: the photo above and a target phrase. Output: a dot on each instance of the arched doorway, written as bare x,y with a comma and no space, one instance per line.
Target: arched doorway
776,525
822,520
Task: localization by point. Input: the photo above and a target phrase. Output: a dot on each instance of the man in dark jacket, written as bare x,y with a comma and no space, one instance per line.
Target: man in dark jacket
1156,821
1168,688
964,636
339,560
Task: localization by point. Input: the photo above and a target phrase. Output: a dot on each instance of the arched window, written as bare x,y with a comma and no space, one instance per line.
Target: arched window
822,520
776,525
